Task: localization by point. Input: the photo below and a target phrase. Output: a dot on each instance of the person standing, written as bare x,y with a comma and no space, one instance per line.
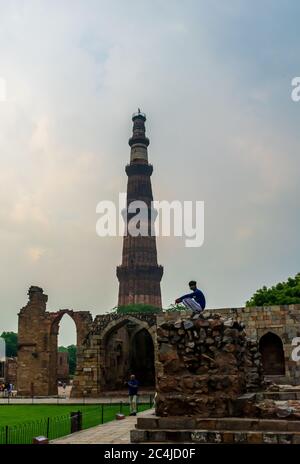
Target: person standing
133,386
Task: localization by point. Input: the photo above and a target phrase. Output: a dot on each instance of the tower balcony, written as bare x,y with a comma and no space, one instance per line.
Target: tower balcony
136,169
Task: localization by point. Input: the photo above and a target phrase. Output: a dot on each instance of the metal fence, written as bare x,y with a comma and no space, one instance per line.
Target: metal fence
58,426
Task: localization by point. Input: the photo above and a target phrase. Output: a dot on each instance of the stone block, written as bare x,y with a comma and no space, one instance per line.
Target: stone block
228,437
296,439
270,438
293,426
209,424
199,437
237,424
174,422
240,437
156,435
285,439
273,425
179,436
137,436
147,423
254,437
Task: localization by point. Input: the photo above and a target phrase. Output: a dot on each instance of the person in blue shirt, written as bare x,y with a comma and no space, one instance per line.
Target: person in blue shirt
195,300
133,386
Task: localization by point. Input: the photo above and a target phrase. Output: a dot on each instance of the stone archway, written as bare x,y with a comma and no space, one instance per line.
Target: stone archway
271,349
53,346
37,343
141,354
127,346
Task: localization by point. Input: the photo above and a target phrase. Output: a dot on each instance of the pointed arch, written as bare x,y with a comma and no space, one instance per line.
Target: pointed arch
271,349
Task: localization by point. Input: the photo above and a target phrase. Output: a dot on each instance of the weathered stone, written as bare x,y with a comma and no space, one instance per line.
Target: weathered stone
223,368
188,325
254,437
270,438
199,437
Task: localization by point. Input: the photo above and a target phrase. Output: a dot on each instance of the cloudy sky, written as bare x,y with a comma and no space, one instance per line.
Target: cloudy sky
214,79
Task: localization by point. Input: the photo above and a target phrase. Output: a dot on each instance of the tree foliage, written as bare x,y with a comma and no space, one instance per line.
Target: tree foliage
11,341
137,308
176,307
281,294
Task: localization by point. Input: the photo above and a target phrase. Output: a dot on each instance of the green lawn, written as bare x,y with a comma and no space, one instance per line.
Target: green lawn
27,421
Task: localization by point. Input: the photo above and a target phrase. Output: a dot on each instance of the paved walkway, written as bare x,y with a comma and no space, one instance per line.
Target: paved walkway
81,401
117,431
108,397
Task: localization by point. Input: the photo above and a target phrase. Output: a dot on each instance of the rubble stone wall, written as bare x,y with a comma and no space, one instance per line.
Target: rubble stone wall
203,365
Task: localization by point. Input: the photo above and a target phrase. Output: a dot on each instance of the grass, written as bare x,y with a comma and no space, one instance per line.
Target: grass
27,421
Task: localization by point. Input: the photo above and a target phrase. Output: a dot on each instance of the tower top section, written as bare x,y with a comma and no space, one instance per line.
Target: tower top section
138,132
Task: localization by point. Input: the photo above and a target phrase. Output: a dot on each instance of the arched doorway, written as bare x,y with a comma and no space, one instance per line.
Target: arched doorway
142,358
271,349
127,348
63,348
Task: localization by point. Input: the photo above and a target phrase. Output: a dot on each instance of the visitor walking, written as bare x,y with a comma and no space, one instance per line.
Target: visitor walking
133,386
195,300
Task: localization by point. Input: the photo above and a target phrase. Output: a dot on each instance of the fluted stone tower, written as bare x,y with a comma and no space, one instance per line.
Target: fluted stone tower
139,274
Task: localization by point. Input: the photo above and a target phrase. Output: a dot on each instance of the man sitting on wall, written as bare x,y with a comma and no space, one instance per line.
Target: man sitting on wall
195,300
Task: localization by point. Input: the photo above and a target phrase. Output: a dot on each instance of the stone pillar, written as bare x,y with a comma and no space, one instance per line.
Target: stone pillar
33,345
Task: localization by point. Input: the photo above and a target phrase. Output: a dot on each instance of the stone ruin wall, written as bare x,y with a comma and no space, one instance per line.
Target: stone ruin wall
37,344
203,365
93,359
283,321
38,330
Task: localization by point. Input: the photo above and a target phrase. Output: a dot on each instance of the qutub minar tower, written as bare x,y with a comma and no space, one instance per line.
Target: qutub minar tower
139,274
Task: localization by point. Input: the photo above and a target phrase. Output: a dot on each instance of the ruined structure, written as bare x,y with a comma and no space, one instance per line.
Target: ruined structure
204,364
117,345
210,384
108,349
274,328
63,374
139,274
111,346
37,343
8,371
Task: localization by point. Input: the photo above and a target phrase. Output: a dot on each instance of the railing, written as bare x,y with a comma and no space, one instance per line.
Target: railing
59,426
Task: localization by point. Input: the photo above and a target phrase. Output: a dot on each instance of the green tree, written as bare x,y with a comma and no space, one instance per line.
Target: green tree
281,294
137,308
72,352
11,341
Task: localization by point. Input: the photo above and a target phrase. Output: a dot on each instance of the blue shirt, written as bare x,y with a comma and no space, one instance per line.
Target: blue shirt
133,386
198,296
